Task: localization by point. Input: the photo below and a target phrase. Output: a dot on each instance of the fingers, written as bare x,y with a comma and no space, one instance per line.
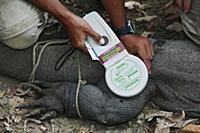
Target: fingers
90,32
149,50
97,37
174,8
184,4
146,52
141,46
84,48
78,31
148,65
79,42
145,57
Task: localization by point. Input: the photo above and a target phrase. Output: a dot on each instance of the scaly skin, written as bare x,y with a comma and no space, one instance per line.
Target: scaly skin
59,98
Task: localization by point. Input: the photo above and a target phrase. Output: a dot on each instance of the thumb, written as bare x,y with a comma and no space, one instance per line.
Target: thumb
97,37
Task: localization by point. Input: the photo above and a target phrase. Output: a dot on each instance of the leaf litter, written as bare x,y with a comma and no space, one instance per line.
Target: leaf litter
151,120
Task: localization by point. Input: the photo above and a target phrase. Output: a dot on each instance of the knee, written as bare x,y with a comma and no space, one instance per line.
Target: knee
22,29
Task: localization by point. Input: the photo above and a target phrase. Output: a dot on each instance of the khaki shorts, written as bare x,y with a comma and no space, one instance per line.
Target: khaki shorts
27,26
20,23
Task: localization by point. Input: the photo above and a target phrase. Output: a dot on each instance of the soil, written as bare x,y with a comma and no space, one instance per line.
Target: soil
11,122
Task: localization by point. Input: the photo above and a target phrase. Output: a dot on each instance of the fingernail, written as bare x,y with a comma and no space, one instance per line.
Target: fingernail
102,41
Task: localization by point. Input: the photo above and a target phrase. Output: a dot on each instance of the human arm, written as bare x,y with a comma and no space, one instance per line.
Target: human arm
173,8
134,44
76,27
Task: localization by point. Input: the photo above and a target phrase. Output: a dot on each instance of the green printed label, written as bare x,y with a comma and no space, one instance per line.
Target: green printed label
126,75
112,52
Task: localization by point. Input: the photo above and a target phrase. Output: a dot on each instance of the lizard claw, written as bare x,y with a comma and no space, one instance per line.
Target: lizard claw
48,115
27,89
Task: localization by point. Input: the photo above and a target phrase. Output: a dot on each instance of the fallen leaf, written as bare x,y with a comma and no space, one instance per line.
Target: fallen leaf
149,116
9,129
147,34
3,89
191,128
6,124
146,18
83,130
42,128
17,118
9,120
134,4
15,101
166,120
140,119
161,126
176,26
182,124
2,93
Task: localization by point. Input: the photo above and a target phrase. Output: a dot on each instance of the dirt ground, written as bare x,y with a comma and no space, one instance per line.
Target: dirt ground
154,25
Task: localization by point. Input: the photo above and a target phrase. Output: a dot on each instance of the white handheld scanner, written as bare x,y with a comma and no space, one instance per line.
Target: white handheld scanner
126,75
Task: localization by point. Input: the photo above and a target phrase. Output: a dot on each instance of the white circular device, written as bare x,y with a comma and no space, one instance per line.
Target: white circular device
128,77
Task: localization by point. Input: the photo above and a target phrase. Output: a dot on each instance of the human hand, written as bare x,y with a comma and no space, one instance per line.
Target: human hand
78,29
173,8
184,5
139,45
